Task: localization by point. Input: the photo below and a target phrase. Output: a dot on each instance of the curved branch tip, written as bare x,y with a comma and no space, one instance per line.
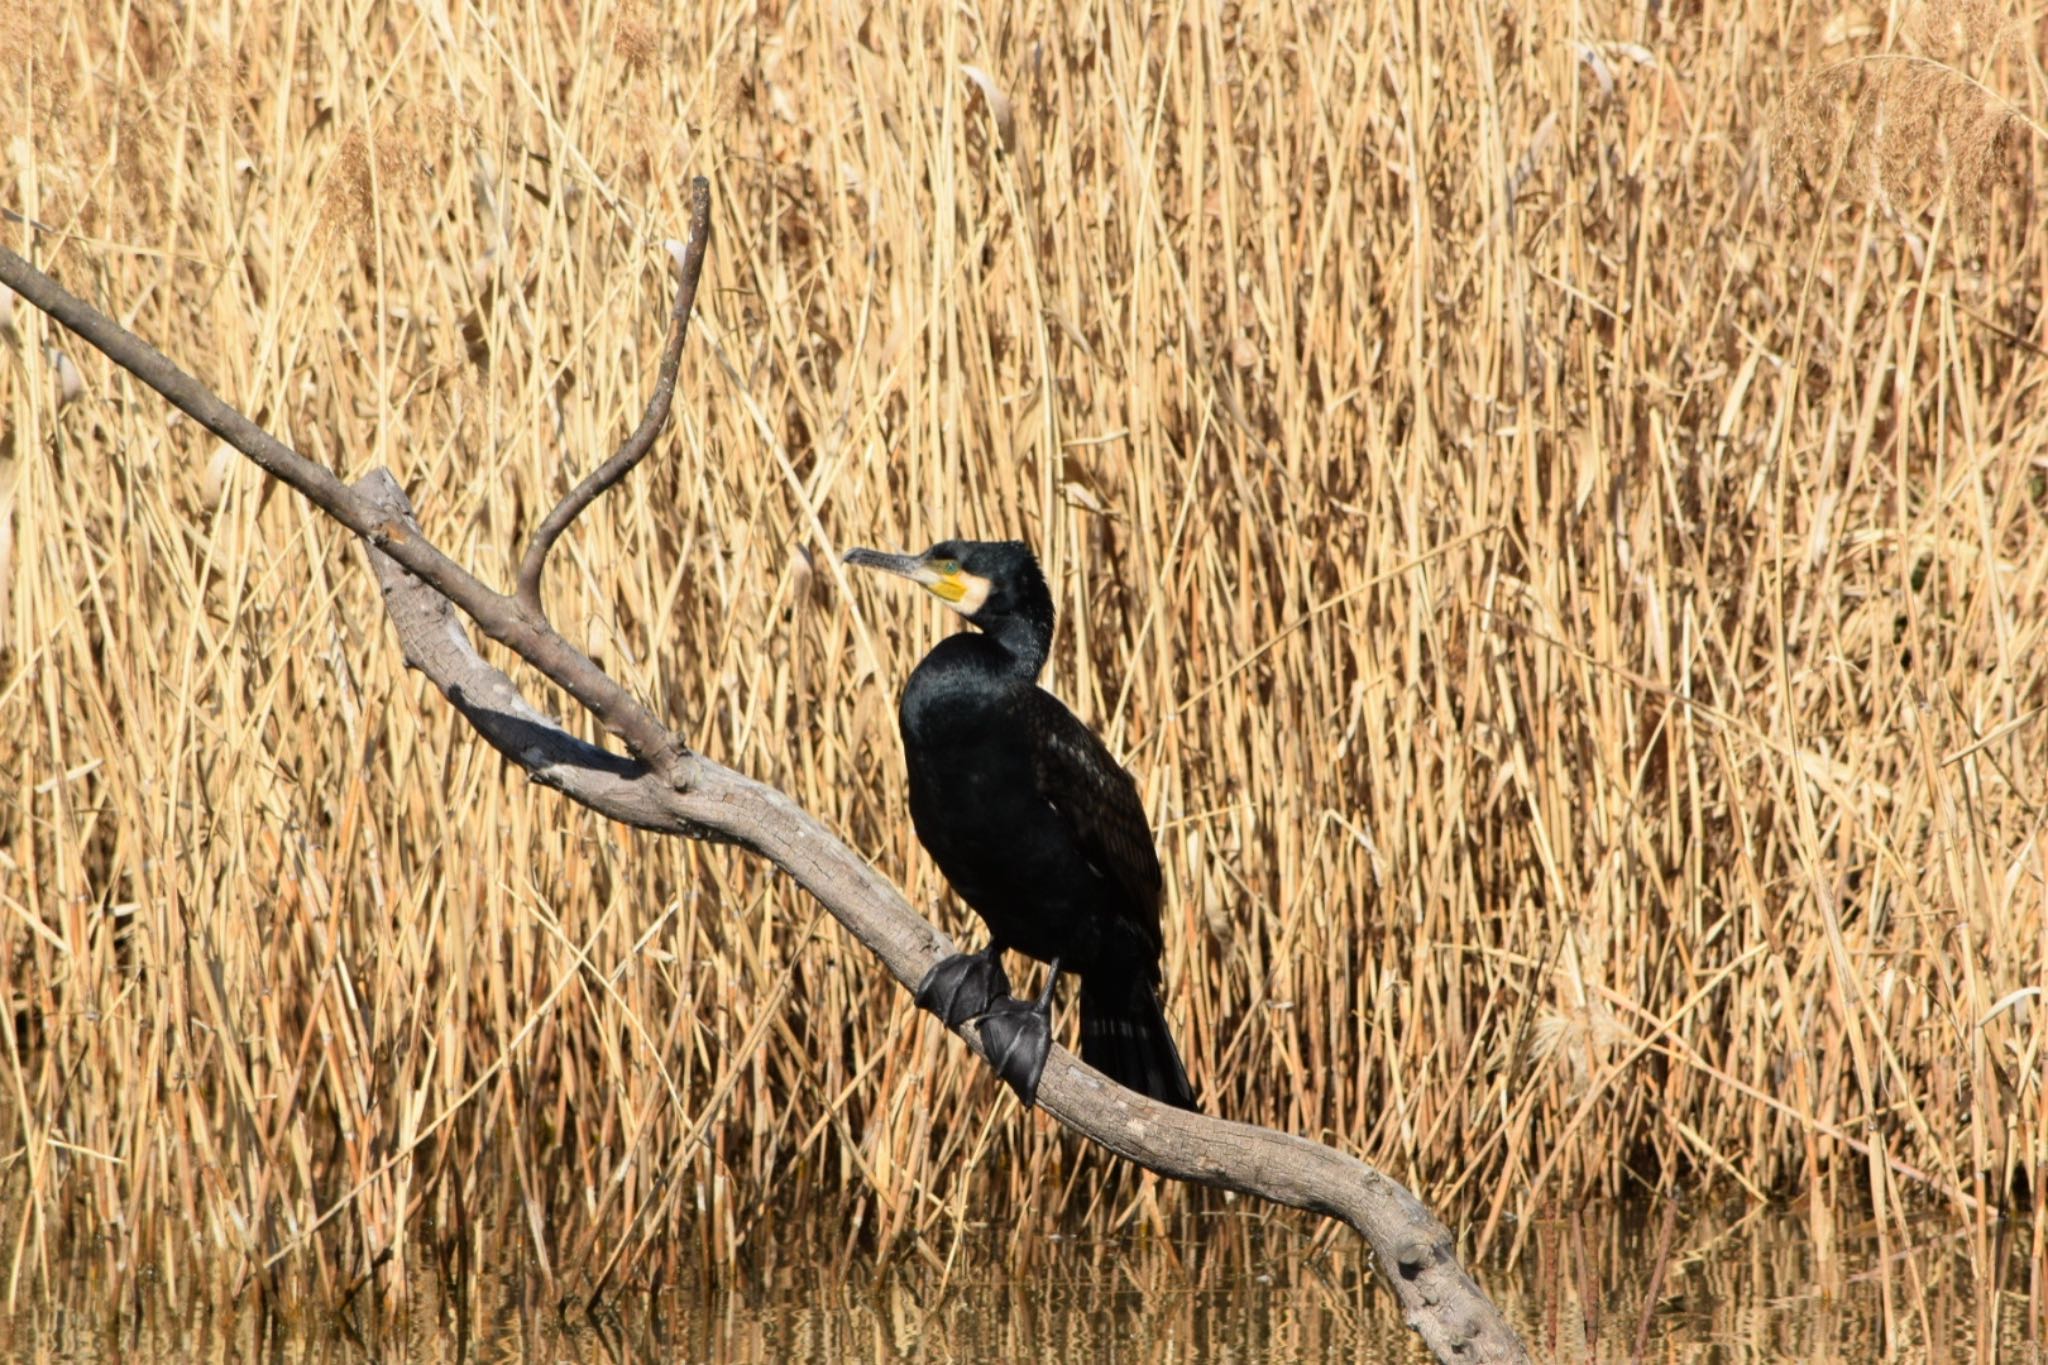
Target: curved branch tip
637,445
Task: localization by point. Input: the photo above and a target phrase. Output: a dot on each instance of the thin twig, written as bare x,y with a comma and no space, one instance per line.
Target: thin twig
656,417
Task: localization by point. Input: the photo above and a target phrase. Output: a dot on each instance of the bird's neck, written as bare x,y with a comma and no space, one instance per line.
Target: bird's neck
1025,643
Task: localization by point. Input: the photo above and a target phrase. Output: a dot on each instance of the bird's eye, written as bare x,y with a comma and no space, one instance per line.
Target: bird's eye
948,567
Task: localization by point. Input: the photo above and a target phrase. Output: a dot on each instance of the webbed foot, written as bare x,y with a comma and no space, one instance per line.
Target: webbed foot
1019,1039
965,985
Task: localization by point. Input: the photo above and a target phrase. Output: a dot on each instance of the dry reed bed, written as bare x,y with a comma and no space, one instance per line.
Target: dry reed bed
1570,586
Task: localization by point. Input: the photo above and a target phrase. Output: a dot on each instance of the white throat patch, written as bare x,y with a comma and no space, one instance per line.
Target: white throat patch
974,591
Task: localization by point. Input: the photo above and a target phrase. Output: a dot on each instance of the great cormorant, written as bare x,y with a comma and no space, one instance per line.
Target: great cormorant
1035,825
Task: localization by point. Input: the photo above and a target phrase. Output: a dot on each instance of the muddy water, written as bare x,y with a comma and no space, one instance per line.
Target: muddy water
1661,1287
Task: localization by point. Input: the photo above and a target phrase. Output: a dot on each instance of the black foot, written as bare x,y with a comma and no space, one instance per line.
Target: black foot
965,985
1019,1039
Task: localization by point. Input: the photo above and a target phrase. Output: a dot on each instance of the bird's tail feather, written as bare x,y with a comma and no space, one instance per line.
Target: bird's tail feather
1125,1037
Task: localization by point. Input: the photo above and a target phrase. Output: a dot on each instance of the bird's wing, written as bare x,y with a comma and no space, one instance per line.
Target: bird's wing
1099,802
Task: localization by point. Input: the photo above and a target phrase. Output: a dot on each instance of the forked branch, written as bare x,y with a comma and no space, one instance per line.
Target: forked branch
497,614
662,786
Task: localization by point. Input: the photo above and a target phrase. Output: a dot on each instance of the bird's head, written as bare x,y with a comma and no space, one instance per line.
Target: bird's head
993,583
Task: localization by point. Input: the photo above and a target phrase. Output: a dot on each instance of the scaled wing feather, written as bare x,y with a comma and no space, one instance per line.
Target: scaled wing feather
1099,801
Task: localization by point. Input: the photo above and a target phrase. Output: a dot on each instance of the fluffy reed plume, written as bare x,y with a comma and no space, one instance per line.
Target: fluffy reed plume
1904,123
1580,637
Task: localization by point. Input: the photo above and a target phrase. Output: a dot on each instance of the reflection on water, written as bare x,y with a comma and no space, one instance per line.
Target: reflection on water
1247,1289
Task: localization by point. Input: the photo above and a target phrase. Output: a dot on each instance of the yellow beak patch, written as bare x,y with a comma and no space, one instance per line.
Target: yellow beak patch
962,591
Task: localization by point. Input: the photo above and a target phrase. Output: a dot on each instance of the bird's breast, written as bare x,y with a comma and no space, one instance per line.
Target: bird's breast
973,788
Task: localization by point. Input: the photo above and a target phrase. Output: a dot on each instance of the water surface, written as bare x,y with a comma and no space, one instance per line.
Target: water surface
1635,1285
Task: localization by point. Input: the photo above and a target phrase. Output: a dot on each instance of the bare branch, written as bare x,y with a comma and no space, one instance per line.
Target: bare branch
497,614
664,787
642,440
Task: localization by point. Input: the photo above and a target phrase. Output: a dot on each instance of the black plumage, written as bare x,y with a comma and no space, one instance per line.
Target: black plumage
1036,826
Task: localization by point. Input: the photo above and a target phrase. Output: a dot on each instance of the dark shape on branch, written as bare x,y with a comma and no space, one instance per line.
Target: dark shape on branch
1037,827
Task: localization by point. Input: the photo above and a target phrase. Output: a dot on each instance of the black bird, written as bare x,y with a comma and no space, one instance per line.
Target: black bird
1035,825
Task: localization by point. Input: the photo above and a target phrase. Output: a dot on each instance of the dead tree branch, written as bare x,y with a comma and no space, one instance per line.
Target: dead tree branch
642,440
662,786
496,614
